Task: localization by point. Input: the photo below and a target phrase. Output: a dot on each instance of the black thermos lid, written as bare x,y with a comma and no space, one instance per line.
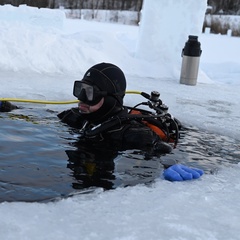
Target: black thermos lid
192,47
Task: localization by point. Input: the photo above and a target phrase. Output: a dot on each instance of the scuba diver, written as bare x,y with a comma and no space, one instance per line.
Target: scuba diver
102,121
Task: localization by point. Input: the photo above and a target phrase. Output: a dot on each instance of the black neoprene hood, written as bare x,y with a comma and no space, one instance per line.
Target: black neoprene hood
110,79
107,77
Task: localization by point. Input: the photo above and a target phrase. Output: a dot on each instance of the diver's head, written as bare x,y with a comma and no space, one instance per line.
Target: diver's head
102,89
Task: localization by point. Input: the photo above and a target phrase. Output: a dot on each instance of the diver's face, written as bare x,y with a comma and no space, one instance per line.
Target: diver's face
85,108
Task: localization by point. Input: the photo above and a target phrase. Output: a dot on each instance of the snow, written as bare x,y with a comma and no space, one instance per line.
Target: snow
42,53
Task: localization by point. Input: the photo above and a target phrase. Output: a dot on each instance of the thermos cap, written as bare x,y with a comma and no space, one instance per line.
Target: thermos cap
192,47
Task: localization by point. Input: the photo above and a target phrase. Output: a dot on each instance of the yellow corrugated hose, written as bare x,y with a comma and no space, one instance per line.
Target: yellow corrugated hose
52,102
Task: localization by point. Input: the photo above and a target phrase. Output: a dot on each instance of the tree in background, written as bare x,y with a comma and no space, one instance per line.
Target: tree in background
231,7
132,5
33,3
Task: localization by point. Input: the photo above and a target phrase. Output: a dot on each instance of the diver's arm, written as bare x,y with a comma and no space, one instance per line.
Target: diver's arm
6,106
143,138
139,136
72,118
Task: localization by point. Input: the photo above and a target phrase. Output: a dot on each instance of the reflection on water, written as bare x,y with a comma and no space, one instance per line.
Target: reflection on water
39,162
110,169
207,150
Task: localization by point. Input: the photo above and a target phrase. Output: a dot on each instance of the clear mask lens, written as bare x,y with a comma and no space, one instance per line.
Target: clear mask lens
87,93
83,90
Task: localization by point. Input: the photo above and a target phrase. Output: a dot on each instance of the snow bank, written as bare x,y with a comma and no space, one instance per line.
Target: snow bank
30,38
40,40
43,17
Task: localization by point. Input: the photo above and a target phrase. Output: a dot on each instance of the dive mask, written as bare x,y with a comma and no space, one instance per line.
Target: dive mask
89,94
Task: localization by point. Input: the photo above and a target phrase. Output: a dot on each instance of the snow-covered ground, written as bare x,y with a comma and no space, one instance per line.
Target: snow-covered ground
42,53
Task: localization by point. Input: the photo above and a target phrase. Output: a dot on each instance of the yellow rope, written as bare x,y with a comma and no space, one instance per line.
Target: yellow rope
37,101
51,102
133,92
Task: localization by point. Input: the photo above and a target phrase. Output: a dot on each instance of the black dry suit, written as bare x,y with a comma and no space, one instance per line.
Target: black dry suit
113,126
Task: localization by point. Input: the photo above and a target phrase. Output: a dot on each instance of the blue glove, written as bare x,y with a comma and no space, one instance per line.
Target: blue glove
179,172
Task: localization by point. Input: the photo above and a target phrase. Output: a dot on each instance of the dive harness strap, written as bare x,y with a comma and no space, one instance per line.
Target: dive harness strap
160,121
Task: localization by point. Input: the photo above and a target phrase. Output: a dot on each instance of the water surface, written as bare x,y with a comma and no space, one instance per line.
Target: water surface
39,162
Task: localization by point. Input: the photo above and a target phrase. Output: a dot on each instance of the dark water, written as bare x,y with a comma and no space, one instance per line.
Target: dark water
39,162
206,150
